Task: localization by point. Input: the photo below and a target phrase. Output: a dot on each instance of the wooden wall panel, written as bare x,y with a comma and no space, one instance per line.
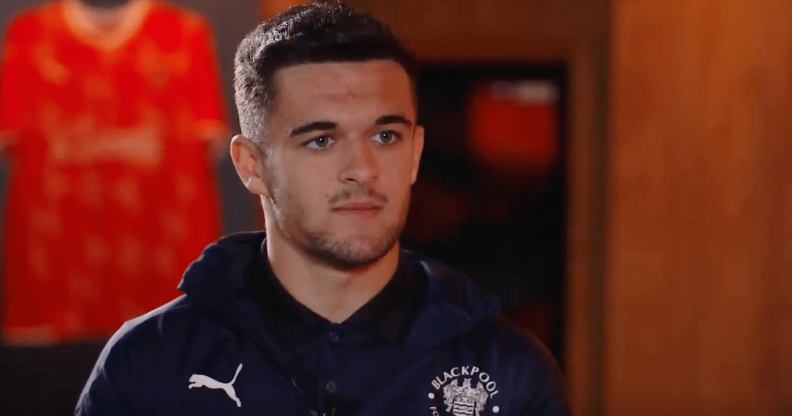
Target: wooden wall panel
521,19
699,260
271,7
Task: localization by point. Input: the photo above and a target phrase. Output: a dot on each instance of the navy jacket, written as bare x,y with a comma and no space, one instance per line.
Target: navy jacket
208,353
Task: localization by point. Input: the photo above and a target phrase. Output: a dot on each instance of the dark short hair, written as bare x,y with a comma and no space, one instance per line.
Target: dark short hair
314,33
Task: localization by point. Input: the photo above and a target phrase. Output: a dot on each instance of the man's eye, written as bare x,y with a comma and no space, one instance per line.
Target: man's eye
319,143
387,137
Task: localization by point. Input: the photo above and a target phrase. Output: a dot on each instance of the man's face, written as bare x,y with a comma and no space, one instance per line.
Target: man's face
342,153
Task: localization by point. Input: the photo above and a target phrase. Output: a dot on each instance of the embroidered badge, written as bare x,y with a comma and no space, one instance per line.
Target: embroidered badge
468,398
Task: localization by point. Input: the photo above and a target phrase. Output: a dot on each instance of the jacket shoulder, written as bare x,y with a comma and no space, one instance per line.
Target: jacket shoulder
525,365
140,359
159,326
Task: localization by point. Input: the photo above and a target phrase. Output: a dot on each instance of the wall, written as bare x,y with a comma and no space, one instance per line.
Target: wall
501,20
699,256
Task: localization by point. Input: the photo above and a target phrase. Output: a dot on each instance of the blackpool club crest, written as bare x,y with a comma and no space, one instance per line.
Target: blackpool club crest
465,391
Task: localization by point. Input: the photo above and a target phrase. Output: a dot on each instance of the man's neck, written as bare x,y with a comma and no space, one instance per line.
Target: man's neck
330,293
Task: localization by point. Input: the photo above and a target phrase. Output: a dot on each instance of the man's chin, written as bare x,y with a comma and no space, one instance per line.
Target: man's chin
352,253
360,255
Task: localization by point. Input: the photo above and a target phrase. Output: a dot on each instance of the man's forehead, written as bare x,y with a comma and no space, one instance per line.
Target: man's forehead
366,77
330,90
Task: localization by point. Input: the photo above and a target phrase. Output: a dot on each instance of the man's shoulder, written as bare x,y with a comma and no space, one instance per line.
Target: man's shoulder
516,356
501,336
143,358
156,335
513,343
158,324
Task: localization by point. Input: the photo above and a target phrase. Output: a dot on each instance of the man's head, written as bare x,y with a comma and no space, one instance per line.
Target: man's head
326,103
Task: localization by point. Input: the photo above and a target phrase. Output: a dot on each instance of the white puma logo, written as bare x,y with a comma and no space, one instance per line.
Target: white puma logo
198,380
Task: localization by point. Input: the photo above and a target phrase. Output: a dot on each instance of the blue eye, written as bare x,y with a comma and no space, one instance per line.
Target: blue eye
319,143
387,137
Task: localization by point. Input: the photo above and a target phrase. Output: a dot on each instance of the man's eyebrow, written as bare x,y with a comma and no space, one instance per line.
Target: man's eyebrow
393,119
329,125
313,126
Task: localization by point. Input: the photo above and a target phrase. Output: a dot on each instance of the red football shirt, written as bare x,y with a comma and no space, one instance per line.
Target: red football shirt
112,190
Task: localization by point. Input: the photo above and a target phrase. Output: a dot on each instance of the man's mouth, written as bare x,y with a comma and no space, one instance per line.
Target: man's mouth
362,210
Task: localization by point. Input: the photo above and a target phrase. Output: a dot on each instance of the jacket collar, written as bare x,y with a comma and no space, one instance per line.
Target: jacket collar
447,305
384,316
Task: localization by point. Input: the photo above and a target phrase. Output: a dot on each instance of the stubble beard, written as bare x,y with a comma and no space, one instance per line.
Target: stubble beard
346,255
323,246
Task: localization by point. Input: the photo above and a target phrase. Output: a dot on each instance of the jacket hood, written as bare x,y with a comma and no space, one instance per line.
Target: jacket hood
452,305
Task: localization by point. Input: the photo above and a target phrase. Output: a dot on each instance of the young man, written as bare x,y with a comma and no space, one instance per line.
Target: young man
325,315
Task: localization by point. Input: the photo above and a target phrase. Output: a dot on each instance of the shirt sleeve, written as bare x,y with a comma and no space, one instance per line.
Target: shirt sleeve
11,84
208,99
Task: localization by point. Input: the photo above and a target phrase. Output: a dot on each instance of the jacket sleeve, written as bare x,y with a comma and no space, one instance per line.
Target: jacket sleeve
546,388
105,393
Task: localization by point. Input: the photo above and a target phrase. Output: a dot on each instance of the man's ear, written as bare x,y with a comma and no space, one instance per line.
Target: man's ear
247,157
418,145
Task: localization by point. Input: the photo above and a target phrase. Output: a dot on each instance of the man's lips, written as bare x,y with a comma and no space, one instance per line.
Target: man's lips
359,211
358,206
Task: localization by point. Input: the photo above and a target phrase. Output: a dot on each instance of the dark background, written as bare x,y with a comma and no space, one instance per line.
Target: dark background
509,236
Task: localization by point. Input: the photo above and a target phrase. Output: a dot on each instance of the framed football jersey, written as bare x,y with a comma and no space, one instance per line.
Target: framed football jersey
112,191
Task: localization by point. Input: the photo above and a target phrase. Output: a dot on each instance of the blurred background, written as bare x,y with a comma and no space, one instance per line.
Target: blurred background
617,172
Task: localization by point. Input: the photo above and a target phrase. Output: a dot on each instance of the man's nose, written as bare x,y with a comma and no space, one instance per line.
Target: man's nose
361,165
